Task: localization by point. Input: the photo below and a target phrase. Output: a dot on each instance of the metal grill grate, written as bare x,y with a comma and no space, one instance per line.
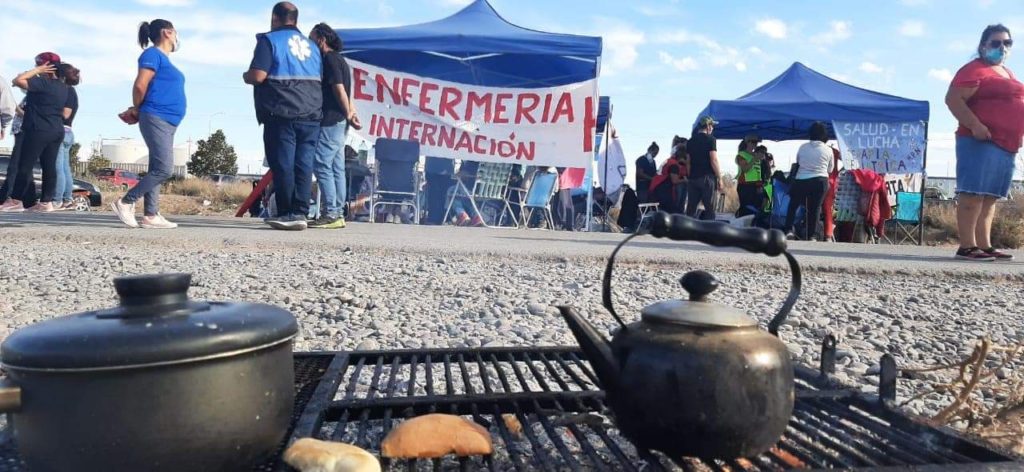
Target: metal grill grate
552,394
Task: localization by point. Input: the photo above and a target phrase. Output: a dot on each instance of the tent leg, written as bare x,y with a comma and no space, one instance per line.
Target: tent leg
924,184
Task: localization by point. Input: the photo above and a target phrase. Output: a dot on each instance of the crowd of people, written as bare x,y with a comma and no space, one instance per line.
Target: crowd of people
303,103
41,124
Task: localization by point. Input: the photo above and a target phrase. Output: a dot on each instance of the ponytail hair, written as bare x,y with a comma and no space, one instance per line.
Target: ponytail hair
72,76
150,31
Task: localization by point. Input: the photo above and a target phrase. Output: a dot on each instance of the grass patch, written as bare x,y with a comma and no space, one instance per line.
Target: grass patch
1007,228
226,194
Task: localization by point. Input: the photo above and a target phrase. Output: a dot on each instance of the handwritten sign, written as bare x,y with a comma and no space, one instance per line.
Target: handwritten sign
551,126
884,147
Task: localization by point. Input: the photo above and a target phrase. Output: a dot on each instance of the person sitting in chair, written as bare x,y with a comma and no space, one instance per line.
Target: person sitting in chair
461,207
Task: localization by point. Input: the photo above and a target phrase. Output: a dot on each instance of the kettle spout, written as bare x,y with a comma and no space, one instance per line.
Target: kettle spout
595,347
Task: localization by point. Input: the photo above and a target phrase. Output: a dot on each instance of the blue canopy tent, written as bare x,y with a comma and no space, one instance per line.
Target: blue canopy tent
784,108
477,46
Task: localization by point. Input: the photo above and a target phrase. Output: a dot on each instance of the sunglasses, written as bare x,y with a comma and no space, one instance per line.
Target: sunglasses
997,43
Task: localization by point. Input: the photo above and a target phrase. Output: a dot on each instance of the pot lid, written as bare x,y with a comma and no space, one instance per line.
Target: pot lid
697,311
155,324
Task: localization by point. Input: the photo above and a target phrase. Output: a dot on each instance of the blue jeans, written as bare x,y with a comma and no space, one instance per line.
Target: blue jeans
290,147
159,137
64,179
329,169
461,203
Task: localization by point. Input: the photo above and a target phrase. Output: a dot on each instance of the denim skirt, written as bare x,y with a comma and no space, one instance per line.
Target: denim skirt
983,168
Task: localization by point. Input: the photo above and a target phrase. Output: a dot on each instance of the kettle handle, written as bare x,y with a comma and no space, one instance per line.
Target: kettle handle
682,228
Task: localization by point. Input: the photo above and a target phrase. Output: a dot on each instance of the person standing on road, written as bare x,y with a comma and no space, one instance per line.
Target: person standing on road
338,112
988,102
158,98
65,182
815,162
749,184
705,174
46,106
646,169
286,74
8,106
9,204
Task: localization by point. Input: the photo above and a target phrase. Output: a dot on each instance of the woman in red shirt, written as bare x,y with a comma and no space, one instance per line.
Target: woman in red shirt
673,173
988,101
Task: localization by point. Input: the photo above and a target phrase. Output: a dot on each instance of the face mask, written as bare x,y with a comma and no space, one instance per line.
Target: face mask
994,56
176,46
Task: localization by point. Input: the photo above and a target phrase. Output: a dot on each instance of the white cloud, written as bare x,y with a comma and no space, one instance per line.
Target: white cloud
870,67
840,77
912,28
838,31
772,27
682,64
384,8
657,11
166,3
943,75
621,43
715,53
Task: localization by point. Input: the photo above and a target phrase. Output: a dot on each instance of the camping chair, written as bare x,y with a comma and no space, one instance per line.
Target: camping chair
647,211
395,179
847,206
491,185
520,193
542,188
907,219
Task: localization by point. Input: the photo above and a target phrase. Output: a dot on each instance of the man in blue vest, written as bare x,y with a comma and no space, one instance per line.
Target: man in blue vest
285,74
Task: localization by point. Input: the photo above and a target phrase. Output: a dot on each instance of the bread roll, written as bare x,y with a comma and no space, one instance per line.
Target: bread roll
436,435
312,455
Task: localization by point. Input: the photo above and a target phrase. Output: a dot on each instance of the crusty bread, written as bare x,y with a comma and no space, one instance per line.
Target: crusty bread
312,455
513,424
436,435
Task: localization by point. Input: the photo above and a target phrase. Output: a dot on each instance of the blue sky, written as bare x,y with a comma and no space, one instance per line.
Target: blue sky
663,59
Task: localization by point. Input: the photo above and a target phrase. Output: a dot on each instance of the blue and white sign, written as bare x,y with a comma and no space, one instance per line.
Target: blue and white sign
886,148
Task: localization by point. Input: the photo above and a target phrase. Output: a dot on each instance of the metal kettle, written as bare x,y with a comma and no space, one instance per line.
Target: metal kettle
694,378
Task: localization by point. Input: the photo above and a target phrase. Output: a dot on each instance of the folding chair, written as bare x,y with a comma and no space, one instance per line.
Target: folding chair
647,210
520,193
491,185
542,188
907,219
395,179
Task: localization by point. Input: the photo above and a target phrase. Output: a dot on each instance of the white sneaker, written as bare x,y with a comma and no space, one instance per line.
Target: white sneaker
157,222
125,212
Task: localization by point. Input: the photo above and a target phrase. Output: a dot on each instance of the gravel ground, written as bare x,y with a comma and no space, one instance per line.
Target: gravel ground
366,295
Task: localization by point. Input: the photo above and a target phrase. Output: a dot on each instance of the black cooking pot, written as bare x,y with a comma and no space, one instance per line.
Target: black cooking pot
160,383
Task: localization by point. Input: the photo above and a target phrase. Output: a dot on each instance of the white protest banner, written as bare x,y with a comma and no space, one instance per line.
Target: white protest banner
895,183
886,148
552,126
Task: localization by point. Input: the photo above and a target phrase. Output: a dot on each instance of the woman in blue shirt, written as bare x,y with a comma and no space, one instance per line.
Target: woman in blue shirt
159,106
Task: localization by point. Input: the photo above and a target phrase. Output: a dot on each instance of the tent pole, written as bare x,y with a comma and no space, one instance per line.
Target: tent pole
924,184
604,177
590,192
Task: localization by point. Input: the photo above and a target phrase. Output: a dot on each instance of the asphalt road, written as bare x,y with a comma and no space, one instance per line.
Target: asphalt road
252,234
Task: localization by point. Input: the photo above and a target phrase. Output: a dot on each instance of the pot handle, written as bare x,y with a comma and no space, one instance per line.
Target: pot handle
10,396
682,228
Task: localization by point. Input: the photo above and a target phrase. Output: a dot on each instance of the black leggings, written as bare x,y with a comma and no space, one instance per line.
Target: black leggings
751,199
41,147
811,193
7,190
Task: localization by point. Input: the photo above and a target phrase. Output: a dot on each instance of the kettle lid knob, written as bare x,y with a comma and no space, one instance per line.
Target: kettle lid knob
699,284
